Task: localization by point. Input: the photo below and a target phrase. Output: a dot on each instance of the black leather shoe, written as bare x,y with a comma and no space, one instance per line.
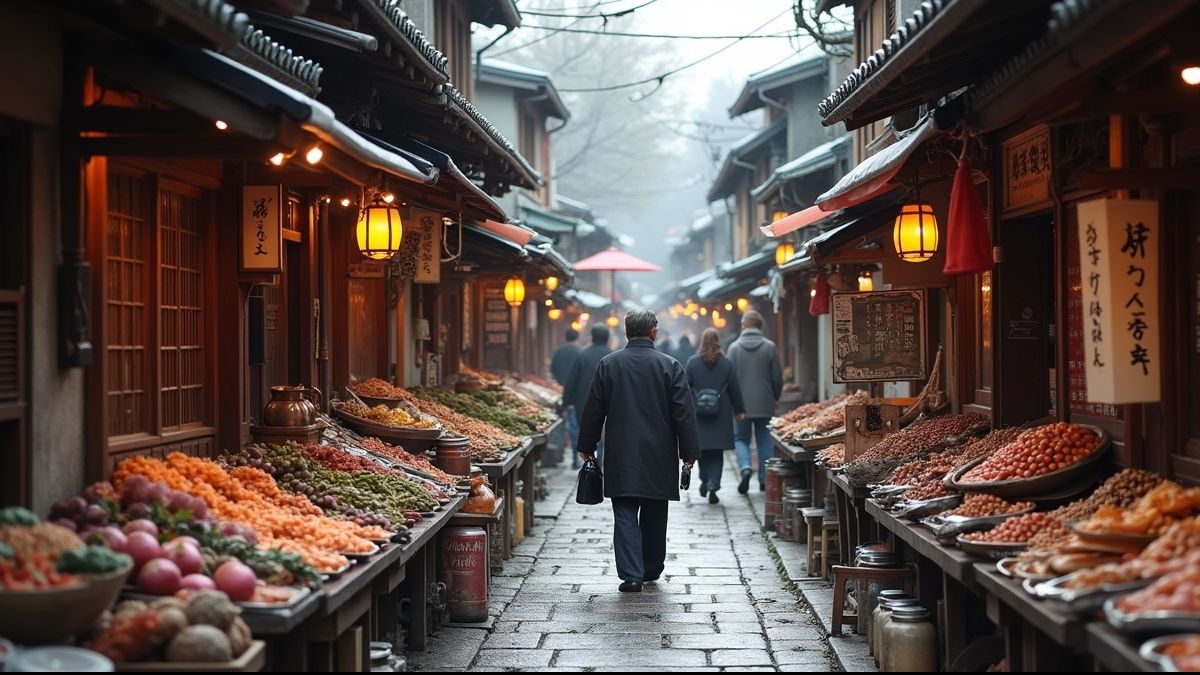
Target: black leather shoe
712,497
630,587
744,484
703,489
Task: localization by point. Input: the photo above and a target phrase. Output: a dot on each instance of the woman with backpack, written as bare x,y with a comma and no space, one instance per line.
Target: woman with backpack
718,401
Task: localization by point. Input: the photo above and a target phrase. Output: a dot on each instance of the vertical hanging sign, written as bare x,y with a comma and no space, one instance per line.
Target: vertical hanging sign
1118,251
262,228
429,249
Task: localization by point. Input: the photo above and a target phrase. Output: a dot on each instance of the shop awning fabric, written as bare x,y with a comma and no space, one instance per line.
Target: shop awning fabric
866,181
514,233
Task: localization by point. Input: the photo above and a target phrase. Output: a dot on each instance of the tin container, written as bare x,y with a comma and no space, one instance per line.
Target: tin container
465,567
781,476
453,455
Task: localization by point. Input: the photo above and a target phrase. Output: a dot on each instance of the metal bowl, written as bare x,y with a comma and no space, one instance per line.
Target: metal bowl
917,510
1155,621
1038,485
1083,602
951,526
1152,651
989,549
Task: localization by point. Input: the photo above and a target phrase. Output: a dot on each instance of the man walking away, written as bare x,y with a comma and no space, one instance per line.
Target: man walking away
641,399
756,362
560,369
579,381
685,350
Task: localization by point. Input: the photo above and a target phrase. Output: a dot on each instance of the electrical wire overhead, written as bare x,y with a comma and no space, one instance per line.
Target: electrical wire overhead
665,36
602,15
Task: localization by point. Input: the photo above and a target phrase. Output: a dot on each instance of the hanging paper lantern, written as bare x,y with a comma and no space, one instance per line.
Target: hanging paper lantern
514,291
819,303
968,241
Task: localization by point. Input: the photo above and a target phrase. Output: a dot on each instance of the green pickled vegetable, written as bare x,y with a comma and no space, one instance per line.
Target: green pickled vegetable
15,515
92,560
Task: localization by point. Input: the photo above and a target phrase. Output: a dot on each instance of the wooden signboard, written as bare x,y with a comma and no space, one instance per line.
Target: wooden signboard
1027,169
868,423
262,228
879,337
497,330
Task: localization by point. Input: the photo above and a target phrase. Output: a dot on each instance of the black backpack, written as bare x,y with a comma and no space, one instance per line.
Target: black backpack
708,402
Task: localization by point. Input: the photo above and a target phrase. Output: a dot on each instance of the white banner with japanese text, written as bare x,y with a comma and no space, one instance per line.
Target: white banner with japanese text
1119,274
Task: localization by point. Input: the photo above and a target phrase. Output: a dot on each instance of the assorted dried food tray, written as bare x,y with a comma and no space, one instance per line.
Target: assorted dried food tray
1036,485
387,431
1082,601
949,526
1150,621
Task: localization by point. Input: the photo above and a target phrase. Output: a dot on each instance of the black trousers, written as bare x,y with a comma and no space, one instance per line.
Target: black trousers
640,537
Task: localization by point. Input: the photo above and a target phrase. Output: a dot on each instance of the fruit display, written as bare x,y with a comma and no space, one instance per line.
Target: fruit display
377,497
928,490
381,414
1184,654
1177,591
818,419
1037,451
833,456
195,627
1017,530
467,404
923,436
251,498
375,388
984,506
1157,510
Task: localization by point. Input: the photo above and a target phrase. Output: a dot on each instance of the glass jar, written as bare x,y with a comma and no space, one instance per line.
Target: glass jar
880,619
909,642
875,556
873,622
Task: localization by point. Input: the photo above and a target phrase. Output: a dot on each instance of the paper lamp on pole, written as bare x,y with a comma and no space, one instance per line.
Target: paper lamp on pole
551,283
514,291
379,229
784,252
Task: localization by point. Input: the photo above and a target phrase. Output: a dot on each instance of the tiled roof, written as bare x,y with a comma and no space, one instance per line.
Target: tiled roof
400,21
924,15
458,99
305,70
1064,16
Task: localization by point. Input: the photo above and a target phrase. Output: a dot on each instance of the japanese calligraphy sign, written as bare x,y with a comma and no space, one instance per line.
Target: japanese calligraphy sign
879,337
262,228
1027,168
429,246
1118,251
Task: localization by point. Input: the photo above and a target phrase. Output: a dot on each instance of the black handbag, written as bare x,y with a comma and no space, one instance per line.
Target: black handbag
708,402
591,484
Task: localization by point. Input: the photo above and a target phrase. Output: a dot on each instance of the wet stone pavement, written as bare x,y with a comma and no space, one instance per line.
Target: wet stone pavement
721,606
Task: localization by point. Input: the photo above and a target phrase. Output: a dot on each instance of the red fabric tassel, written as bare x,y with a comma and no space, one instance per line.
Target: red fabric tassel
819,303
968,241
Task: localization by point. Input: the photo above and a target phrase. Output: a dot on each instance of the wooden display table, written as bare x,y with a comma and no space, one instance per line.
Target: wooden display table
503,478
251,661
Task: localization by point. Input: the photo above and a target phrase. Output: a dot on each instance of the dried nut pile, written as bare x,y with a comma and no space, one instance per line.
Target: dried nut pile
1051,539
375,388
983,506
834,456
830,416
1018,530
807,410
1122,490
931,489
1038,451
861,473
923,436
1151,515
942,463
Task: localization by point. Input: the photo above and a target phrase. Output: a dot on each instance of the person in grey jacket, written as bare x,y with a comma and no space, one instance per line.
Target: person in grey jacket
579,381
756,362
640,399
712,371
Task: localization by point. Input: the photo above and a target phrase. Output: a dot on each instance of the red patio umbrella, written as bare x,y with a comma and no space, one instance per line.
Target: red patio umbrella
615,260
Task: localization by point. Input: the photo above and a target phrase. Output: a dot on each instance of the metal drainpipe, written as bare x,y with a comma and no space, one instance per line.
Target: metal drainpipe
770,101
324,275
479,54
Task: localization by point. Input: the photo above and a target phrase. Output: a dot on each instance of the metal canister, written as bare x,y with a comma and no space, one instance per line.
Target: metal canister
786,523
781,475
454,455
794,512
465,566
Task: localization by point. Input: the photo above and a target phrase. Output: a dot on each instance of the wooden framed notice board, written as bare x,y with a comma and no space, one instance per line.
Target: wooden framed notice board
879,337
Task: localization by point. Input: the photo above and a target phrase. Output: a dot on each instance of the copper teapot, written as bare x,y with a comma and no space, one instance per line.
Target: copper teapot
289,406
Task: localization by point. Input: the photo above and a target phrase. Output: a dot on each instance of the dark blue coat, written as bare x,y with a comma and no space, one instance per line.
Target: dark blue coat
641,401
716,433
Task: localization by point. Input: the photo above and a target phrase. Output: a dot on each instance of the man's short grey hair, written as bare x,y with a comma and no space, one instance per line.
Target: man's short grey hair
640,322
752,319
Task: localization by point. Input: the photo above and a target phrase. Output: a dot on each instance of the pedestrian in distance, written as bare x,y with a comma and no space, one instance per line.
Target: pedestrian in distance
641,401
561,366
579,382
664,344
756,362
718,399
685,350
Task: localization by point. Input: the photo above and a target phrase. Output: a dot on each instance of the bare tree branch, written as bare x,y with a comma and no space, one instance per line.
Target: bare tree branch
831,34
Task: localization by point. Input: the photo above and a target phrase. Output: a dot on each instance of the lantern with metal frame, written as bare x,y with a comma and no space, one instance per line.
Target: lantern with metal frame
915,232
784,252
380,229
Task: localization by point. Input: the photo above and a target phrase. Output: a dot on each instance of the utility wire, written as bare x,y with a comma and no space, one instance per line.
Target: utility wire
602,15
666,36
589,7
663,76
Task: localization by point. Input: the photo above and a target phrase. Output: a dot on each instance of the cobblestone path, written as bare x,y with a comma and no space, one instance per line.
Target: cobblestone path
722,604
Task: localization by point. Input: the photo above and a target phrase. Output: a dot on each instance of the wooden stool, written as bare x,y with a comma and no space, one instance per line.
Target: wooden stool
842,574
830,537
813,517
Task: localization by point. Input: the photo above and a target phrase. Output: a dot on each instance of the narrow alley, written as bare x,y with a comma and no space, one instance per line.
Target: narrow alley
722,604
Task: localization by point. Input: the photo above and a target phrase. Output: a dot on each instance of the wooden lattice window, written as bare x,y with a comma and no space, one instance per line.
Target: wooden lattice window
126,299
181,326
